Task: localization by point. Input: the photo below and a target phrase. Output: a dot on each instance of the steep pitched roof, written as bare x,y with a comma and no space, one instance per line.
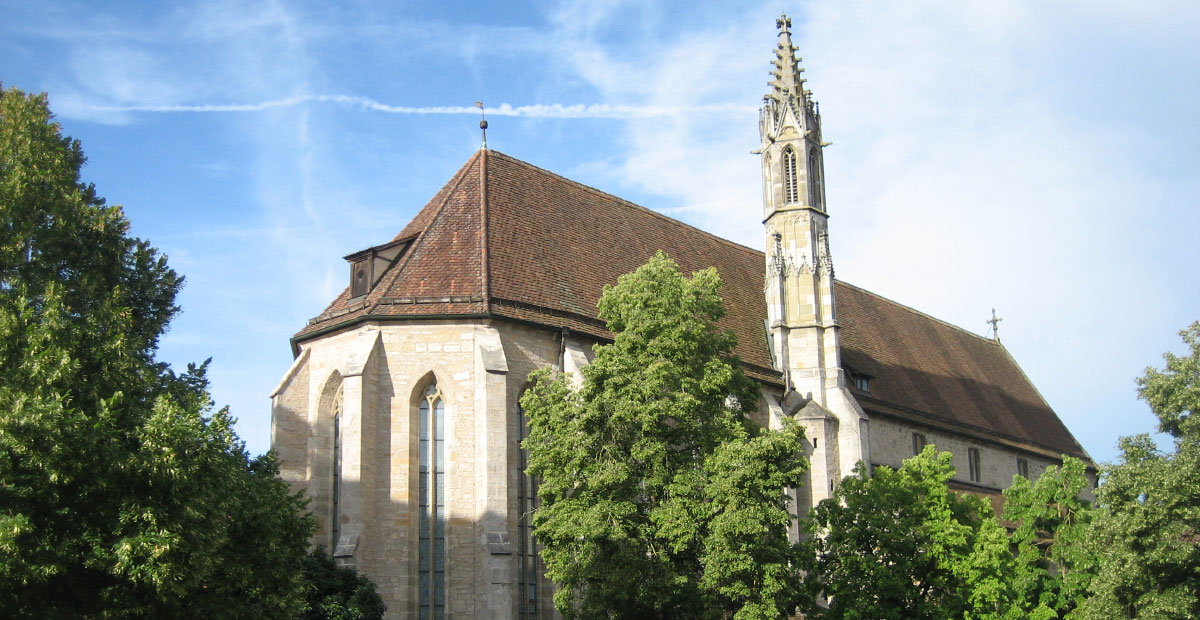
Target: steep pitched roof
504,238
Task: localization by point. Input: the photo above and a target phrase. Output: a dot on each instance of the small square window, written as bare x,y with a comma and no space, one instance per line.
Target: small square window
360,280
918,443
973,464
860,382
1023,468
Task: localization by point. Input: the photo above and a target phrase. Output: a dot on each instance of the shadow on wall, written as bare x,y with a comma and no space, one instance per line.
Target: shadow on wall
388,513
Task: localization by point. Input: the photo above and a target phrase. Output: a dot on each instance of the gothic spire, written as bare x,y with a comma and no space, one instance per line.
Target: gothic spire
787,67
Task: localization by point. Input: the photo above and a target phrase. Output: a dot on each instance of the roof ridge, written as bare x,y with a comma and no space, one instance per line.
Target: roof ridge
628,203
922,314
393,272
485,267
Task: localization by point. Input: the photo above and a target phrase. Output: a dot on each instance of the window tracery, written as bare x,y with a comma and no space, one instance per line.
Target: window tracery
814,179
431,560
790,183
336,486
527,555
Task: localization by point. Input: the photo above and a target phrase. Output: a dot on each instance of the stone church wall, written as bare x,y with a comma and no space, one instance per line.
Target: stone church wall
892,442
480,369
381,372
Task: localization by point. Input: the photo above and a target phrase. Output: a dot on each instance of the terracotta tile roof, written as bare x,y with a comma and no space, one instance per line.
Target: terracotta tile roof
552,244
927,365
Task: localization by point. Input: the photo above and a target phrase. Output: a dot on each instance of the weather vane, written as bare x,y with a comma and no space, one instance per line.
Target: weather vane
482,122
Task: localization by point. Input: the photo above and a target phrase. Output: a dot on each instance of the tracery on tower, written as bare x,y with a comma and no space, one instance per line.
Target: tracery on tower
790,184
814,180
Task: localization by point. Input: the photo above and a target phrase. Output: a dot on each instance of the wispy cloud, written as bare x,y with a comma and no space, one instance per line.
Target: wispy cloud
554,110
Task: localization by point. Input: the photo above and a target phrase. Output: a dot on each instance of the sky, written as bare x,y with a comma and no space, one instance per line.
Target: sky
1039,158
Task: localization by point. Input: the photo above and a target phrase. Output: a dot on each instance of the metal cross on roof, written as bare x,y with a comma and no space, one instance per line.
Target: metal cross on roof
995,323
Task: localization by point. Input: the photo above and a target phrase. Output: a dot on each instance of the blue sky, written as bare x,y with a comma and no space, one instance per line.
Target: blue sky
1035,157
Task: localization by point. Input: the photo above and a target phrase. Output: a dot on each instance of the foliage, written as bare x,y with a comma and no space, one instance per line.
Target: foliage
660,499
121,493
1173,393
901,544
1147,535
1053,563
338,593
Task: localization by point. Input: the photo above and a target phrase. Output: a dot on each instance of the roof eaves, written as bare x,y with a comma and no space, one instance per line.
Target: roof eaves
296,340
383,246
940,422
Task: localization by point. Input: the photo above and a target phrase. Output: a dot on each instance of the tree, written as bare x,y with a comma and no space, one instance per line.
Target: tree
1053,563
338,593
900,544
122,494
660,499
1147,535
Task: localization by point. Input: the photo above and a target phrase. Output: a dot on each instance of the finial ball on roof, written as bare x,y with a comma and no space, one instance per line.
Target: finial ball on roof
483,124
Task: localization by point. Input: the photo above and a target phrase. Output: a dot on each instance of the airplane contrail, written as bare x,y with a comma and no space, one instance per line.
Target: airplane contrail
555,110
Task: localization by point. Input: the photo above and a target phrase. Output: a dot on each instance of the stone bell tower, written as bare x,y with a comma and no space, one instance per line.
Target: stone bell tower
799,284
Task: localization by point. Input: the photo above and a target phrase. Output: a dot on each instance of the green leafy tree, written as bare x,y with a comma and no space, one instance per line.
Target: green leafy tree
660,499
336,592
122,494
901,544
1147,535
1054,564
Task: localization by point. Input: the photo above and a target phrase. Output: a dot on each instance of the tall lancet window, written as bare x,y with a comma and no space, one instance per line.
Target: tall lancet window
814,180
336,486
431,562
527,556
791,191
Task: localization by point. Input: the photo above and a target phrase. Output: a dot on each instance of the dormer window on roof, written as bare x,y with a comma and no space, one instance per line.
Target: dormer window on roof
860,381
368,266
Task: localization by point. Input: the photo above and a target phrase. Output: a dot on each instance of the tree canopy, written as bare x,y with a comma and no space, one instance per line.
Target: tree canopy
337,592
122,493
897,544
1054,562
660,499
1147,534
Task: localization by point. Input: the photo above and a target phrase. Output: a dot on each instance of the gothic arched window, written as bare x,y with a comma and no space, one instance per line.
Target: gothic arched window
527,556
814,179
431,560
791,193
336,486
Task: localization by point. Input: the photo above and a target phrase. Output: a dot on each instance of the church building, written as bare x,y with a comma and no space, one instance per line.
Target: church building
400,419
